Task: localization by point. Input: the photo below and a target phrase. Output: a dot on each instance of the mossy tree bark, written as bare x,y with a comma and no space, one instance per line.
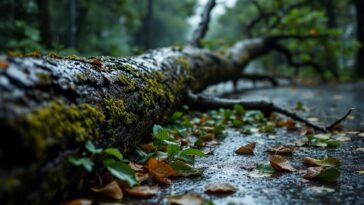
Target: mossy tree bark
50,106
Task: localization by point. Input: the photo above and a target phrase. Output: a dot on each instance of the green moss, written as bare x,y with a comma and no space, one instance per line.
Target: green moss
49,125
118,112
81,76
44,77
54,55
130,83
153,87
183,62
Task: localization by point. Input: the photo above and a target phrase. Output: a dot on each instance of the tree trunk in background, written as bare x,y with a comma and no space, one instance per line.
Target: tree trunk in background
359,6
72,23
148,25
45,23
330,61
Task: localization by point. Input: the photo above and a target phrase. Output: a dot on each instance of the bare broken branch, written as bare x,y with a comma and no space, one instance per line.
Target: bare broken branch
203,26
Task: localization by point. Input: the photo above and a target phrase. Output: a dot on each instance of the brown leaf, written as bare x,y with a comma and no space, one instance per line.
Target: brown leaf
328,161
112,190
219,188
307,131
281,149
343,139
246,149
280,163
142,191
141,177
360,149
3,64
187,199
301,143
136,167
79,202
148,147
289,124
160,170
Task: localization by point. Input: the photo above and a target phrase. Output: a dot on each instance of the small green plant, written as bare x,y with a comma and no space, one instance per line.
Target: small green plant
109,159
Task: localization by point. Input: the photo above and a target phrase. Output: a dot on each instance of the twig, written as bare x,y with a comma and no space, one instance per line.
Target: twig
339,120
203,26
201,102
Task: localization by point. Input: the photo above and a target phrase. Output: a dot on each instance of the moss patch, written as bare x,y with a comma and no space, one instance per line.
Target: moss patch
118,112
57,121
130,83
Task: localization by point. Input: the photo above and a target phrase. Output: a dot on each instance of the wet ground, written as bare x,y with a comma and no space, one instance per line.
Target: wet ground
325,103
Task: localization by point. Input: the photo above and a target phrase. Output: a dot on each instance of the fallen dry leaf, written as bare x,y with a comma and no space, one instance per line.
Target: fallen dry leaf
280,163
3,64
79,202
187,199
307,131
160,170
301,143
360,149
328,161
219,188
313,119
321,189
136,167
209,151
112,190
246,149
281,149
141,177
148,147
289,124
142,191
361,171
352,132
343,139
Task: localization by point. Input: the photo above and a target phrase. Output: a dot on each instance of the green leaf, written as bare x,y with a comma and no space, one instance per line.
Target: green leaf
160,133
265,168
86,163
114,152
185,169
190,151
322,140
91,148
144,156
329,174
239,110
325,174
333,143
172,149
176,116
123,172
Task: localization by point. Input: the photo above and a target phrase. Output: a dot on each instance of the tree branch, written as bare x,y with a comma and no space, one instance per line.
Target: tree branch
292,62
203,26
201,102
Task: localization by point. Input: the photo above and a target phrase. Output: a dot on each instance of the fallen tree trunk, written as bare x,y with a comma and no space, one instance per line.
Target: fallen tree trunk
50,106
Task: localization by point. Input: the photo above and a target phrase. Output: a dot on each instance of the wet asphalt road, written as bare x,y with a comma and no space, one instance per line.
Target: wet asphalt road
324,102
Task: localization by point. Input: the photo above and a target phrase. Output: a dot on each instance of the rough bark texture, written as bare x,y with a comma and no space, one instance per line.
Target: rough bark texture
51,106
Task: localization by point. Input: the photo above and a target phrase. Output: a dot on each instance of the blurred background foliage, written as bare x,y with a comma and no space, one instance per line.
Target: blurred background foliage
127,27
